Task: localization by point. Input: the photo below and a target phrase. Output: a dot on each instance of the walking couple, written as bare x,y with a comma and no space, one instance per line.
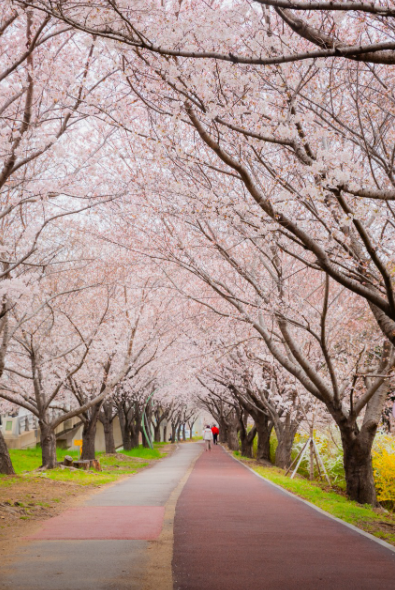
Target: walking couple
210,435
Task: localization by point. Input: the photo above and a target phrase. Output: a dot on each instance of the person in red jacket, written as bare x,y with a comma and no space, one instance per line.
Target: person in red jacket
215,432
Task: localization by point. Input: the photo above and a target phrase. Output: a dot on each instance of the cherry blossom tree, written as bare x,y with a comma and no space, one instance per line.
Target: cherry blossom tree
270,396
91,382
45,82
314,203
299,342
5,461
188,29
50,344
254,170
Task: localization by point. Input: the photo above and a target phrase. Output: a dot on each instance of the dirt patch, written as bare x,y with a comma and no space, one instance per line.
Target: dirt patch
126,458
385,528
169,449
26,502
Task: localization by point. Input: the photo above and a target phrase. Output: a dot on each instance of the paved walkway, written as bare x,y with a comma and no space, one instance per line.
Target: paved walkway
234,531
105,544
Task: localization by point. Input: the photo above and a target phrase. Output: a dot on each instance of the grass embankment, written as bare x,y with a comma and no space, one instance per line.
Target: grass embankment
27,461
377,522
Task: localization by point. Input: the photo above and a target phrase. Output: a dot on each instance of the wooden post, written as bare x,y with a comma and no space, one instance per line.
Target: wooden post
296,458
300,459
319,458
311,475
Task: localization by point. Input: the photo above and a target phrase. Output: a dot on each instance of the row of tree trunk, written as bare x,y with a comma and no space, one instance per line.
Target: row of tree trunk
130,416
233,419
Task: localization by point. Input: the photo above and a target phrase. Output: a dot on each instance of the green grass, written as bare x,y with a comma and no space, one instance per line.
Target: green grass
79,477
143,453
362,516
30,459
27,461
6,482
335,468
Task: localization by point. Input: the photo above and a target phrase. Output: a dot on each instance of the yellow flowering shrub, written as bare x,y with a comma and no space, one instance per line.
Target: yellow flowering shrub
384,469
330,449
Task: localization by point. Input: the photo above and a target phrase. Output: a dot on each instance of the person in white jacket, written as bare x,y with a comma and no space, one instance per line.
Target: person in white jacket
207,437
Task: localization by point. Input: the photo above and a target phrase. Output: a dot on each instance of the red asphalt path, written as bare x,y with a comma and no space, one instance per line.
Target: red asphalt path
234,531
117,523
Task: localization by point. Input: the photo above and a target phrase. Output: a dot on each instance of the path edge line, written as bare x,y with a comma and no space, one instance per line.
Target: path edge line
327,514
159,572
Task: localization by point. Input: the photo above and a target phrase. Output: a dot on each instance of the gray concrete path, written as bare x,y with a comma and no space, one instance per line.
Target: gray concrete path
101,564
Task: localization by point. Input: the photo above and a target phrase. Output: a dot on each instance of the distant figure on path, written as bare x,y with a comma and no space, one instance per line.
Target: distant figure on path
207,437
215,432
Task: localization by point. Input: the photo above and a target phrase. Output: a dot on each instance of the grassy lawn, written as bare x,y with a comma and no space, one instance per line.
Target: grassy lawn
379,523
30,459
27,461
144,453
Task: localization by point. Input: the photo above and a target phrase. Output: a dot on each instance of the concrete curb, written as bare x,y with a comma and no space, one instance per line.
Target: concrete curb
327,514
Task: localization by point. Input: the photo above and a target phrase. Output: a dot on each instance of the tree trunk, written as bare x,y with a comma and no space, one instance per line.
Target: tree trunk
357,445
284,448
157,433
247,440
173,433
264,428
233,439
184,435
48,445
106,417
6,467
135,436
88,440
125,431
165,433
246,448
127,441
89,433
286,429
358,467
223,431
179,433
108,426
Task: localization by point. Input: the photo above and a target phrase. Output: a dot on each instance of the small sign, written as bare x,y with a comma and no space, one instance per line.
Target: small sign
78,443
